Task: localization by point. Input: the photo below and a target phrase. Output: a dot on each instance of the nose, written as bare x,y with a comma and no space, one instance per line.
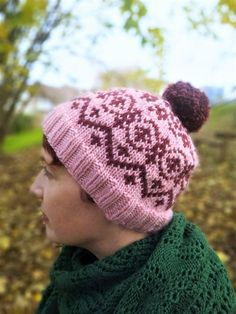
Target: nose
36,187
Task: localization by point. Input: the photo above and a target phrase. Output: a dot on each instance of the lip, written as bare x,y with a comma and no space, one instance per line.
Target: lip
44,218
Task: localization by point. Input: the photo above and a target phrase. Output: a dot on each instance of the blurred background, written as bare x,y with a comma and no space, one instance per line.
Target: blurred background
52,51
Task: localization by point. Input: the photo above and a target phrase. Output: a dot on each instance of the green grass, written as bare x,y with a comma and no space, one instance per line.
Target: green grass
16,142
222,118
224,114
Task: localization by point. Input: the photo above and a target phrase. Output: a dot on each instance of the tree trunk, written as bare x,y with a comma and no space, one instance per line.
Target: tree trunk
2,138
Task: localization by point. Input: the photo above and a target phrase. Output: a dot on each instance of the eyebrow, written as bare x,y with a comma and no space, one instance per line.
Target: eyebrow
43,159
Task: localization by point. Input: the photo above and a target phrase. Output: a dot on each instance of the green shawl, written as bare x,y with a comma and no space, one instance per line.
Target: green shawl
172,271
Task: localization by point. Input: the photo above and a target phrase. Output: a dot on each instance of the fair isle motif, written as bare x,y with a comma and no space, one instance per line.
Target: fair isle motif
141,134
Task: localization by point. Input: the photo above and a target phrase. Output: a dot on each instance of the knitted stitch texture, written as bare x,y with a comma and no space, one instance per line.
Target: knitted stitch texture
169,272
128,150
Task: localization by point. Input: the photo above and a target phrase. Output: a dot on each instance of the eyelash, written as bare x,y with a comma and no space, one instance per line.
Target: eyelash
47,174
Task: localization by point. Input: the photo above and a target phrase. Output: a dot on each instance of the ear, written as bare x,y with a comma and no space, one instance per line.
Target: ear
86,197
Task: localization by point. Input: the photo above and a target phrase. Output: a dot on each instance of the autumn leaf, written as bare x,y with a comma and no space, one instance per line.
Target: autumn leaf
3,284
5,242
224,258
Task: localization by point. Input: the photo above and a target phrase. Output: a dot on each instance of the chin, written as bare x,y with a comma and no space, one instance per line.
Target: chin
51,236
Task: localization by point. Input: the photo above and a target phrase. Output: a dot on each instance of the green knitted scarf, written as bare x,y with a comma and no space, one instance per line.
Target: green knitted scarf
172,271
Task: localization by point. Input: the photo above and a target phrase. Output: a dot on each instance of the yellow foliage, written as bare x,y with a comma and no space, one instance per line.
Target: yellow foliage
5,242
47,253
15,233
3,284
230,4
3,31
227,9
32,9
223,257
37,296
20,302
38,287
209,202
6,47
38,274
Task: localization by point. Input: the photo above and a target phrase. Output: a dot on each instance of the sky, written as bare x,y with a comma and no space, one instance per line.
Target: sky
189,55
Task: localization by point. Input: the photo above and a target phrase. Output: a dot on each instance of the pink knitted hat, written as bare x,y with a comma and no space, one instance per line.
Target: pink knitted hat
130,150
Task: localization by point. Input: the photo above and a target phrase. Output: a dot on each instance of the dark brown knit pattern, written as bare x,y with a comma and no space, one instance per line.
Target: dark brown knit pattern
127,129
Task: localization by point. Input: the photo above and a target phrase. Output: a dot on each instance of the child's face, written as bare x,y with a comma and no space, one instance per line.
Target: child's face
69,219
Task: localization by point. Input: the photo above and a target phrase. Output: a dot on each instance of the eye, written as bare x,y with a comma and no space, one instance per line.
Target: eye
46,172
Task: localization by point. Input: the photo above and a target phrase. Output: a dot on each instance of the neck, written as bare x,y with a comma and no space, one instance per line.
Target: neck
113,241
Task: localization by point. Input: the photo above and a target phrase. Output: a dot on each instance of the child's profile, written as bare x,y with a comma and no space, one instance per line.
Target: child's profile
114,163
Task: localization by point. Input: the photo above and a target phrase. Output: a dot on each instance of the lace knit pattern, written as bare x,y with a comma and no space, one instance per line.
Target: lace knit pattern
172,271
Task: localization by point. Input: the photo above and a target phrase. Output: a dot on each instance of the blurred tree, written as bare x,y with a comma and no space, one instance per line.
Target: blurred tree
26,25
205,18
137,78
24,28
227,9
21,122
134,11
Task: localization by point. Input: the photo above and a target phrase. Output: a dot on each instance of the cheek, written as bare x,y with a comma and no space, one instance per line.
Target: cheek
60,202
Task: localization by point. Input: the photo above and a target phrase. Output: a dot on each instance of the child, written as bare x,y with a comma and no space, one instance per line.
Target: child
115,162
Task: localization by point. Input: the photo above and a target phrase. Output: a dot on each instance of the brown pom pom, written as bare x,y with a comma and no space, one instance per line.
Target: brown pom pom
189,103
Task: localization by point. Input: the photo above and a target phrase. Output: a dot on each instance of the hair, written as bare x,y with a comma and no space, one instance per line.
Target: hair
55,161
